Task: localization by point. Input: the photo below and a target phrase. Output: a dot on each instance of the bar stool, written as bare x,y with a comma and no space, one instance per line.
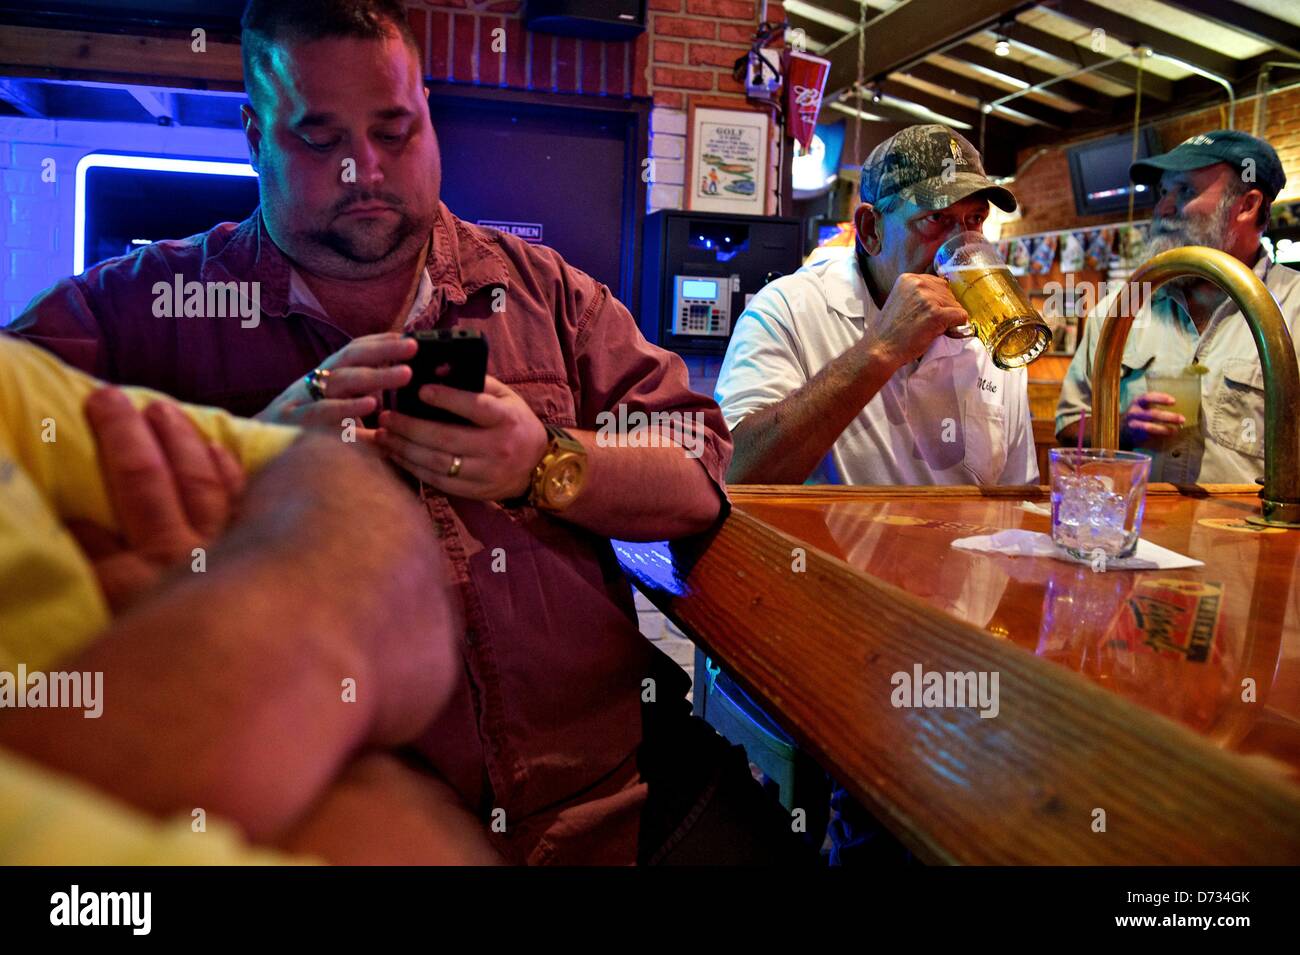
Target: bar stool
800,782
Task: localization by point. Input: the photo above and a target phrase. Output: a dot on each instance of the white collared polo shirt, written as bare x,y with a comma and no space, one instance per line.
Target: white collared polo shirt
951,418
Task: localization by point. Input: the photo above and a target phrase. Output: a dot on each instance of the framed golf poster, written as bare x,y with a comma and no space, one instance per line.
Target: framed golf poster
729,156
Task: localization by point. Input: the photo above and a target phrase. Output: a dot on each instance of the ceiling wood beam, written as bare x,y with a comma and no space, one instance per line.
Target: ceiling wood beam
909,32
845,8
144,60
1136,33
1054,47
817,32
1285,37
933,73
935,104
981,58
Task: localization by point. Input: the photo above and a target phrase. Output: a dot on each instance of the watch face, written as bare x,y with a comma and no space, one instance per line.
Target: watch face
564,482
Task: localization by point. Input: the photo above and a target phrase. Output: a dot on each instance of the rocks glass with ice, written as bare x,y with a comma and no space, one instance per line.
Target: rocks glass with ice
1000,312
1098,496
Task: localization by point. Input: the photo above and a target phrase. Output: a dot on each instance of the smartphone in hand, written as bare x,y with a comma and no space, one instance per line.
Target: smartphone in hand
455,357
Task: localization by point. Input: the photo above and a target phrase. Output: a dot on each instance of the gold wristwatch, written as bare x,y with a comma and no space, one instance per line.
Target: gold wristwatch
560,474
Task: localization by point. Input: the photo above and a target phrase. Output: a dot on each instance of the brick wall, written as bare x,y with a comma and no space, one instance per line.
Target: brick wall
1048,200
484,43
685,57
694,45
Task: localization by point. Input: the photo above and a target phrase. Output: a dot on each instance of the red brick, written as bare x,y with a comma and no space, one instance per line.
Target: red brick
670,99
670,51
641,65
668,6
710,54
439,56
727,9
566,64
589,81
689,79
735,33
505,6
680,26
543,50
418,19
462,47
728,84
516,54
491,65
618,59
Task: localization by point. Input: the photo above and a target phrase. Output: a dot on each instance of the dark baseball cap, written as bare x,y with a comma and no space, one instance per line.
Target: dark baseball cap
1222,145
931,166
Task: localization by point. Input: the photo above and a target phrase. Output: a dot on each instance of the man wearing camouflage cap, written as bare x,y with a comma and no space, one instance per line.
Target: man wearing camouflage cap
1215,189
843,373
849,371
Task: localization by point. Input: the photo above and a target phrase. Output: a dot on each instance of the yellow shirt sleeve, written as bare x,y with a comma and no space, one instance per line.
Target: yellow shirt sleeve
41,402
50,819
50,603
51,606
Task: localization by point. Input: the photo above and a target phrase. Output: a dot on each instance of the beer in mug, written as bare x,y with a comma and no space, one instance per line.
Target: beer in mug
1000,312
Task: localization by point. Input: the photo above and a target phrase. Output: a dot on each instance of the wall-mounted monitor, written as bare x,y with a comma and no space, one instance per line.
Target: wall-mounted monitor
1099,173
125,201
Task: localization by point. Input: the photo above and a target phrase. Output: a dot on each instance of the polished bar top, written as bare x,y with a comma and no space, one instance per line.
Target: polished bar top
1170,700
1178,641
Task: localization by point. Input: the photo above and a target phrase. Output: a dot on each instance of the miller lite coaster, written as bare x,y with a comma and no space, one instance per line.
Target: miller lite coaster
1174,618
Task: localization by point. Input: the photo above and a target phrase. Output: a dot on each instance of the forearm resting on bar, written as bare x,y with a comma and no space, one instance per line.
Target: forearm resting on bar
783,443
643,493
225,690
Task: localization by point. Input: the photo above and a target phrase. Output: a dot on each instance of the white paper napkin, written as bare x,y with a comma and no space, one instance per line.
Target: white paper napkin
1021,543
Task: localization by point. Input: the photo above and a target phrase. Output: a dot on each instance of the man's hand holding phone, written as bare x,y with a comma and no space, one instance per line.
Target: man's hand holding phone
359,373
490,459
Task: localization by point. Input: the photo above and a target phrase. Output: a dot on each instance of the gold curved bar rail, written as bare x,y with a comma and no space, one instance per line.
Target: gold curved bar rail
1281,492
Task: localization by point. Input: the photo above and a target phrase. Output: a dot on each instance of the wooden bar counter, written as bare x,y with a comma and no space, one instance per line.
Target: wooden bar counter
1144,717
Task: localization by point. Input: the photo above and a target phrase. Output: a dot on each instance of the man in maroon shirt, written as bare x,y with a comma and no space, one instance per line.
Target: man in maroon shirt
570,735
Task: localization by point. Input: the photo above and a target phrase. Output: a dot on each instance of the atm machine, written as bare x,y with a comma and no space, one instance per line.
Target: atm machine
702,268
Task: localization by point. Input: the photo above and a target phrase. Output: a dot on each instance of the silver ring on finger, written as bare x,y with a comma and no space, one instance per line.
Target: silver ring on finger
456,462
317,381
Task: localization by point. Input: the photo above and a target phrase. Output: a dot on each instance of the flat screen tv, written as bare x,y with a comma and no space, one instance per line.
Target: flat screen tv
1099,173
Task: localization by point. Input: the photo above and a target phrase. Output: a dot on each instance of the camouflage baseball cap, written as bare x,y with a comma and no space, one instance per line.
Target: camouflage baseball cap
931,166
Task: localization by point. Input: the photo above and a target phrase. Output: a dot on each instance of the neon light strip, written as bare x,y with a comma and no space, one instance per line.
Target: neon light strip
204,167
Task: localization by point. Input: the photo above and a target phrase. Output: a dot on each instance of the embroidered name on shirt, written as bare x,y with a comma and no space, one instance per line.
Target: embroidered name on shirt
986,385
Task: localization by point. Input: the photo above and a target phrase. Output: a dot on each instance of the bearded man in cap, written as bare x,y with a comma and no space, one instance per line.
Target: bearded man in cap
850,371
1217,190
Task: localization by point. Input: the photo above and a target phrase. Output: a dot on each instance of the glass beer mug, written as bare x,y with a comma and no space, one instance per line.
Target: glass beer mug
1000,313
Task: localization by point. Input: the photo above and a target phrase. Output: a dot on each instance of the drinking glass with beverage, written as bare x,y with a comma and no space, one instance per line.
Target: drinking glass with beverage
1185,389
1000,312
1098,497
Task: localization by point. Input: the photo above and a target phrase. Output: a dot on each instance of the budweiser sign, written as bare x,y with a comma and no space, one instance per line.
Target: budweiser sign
805,80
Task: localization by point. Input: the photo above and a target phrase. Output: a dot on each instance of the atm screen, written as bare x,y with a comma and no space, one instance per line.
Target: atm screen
698,289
